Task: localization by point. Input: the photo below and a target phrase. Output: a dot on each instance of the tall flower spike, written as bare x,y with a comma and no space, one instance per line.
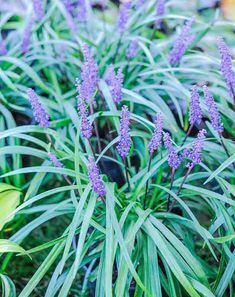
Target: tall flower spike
115,82
3,50
123,16
82,11
195,115
195,153
86,128
39,112
55,161
182,42
213,111
157,135
38,9
26,37
226,65
124,144
94,177
89,74
160,9
132,49
173,159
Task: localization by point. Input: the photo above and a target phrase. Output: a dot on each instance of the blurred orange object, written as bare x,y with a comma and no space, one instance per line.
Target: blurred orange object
228,8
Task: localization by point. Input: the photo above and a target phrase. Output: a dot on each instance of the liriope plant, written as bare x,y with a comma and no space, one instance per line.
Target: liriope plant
128,185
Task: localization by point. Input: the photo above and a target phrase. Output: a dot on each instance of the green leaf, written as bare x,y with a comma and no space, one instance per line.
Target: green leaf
7,246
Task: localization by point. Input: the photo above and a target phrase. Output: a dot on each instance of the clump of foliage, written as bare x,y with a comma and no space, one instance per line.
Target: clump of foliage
117,150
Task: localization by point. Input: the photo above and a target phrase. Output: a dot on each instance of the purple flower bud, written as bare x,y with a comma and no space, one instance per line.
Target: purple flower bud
157,135
195,154
195,115
39,112
38,9
173,159
160,9
86,128
213,111
124,144
132,49
226,65
182,42
3,50
82,11
94,177
89,74
123,16
115,81
26,37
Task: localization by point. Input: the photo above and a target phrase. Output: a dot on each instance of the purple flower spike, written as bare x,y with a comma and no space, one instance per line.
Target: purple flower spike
68,5
39,112
94,177
124,137
86,128
55,161
132,49
157,135
89,74
38,9
195,153
182,43
139,4
160,9
82,11
213,111
173,159
26,37
226,65
123,16
3,50
115,82
195,115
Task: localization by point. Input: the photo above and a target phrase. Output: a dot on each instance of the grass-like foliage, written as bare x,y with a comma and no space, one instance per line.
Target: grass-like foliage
117,150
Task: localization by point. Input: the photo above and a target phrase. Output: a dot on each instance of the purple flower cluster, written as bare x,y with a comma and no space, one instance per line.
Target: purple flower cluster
173,159
86,128
213,111
182,43
3,50
26,37
115,82
160,9
82,11
38,9
132,49
124,143
195,154
123,16
56,162
195,115
226,65
68,4
89,74
39,112
157,135
94,177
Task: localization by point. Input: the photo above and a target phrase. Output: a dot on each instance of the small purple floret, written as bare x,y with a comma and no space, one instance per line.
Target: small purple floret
38,9
132,49
160,9
115,82
213,111
173,159
157,135
226,65
39,112
195,154
182,43
26,37
124,143
94,177
195,115
124,16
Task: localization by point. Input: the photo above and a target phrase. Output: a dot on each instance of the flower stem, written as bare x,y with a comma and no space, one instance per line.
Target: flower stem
96,129
147,183
126,171
172,181
188,132
180,188
117,49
